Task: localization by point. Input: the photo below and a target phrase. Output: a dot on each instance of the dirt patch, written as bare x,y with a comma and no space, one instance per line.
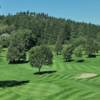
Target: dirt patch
86,75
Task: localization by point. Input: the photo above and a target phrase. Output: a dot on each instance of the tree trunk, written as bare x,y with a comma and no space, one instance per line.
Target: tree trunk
39,69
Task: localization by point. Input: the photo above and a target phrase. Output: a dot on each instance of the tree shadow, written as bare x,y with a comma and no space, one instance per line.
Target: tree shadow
71,60
80,61
44,72
92,56
2,56
19,62
3,49
12,83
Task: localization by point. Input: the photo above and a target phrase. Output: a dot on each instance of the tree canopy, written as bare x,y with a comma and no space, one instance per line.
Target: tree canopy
16,50
39,56
46,28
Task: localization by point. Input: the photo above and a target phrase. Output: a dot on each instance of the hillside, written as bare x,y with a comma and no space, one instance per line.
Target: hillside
45,28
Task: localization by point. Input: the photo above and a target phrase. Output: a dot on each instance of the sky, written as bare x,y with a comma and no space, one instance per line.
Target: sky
78,10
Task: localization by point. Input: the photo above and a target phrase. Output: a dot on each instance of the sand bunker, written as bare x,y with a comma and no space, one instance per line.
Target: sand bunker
86,75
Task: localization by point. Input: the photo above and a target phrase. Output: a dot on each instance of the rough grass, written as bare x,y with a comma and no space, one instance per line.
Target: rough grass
60,85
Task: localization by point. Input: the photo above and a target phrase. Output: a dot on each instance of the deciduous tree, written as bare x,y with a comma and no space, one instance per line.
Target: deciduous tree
40,56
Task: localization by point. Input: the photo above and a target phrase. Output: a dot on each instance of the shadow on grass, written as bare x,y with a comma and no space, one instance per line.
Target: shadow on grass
19,62
71,60
3,49
92,56
12,83
80,61
44,72
2,56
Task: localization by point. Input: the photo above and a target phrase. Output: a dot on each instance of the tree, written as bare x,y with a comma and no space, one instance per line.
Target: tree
0,48
0,51
40,56
91,48
58,48
63,36
28,38
4,40
16,50
67,31
3,28
67,53
59,45
91,45
79,53
98,40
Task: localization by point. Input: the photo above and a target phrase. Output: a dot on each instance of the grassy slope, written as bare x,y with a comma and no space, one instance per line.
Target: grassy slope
61,85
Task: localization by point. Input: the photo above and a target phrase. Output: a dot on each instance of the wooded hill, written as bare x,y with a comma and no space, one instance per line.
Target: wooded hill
46,29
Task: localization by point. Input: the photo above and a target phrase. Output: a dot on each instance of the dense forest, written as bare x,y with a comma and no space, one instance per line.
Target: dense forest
24,30
46,29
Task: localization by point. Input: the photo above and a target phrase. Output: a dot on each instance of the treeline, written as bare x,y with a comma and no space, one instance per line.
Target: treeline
46,29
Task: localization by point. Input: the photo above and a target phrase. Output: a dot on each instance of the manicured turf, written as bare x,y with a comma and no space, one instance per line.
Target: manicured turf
60,85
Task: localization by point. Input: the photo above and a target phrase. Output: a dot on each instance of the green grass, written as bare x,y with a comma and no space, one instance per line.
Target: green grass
61,85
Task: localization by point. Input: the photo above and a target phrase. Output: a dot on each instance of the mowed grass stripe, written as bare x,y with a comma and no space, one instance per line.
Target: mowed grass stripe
60,85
